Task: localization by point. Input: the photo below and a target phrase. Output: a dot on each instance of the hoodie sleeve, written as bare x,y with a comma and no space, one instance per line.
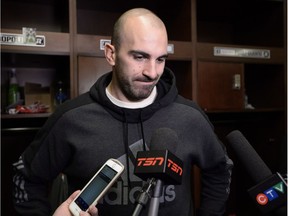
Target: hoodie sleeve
42,161
216,166
30,193
215,189
216,179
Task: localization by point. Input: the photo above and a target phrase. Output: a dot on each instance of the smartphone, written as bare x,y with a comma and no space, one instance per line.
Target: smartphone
99,184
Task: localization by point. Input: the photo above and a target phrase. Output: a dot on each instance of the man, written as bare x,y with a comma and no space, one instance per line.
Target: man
116,119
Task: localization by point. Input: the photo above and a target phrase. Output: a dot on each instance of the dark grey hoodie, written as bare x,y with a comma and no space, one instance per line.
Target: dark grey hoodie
84,132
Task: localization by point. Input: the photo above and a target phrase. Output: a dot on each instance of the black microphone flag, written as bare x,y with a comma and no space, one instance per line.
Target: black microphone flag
160,162
269,194
270,191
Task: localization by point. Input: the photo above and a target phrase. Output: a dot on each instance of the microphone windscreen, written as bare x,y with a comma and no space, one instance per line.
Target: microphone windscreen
164,139
249,158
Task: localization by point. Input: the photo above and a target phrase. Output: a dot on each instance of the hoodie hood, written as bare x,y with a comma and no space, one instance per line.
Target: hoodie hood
166,94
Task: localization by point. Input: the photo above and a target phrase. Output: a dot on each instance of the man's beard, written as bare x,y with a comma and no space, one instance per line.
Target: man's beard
133,93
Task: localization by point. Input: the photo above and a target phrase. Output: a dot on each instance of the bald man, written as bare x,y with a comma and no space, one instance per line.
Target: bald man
116,118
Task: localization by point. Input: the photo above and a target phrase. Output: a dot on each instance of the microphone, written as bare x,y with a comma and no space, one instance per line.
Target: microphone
270,191
160,162
158,167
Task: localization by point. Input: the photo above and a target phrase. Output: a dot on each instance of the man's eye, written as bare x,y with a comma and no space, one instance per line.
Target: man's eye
160,60
139,57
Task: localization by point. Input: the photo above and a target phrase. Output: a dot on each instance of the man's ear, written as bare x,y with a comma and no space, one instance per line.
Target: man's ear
110,53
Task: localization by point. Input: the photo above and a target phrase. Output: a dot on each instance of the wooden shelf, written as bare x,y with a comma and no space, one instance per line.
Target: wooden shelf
205,51
89,45
56,44
182,50
19,116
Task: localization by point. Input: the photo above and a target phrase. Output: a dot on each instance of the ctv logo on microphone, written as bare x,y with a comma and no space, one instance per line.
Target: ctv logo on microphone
270,194
272,198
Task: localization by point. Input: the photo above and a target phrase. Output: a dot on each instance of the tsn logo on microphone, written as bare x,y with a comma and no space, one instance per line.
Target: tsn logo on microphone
160,164
158,161
270,193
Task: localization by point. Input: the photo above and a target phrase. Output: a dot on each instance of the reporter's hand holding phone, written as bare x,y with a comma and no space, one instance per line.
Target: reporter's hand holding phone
63,209
96,188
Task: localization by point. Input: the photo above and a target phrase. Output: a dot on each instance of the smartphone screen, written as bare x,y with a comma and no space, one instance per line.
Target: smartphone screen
95,187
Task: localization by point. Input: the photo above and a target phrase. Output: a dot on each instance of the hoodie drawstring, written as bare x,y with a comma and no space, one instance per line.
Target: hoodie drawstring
126,144
142,132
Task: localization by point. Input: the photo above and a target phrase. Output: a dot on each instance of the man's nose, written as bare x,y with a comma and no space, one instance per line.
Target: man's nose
150,70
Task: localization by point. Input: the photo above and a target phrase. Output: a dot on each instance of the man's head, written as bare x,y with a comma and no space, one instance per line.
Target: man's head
137,54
